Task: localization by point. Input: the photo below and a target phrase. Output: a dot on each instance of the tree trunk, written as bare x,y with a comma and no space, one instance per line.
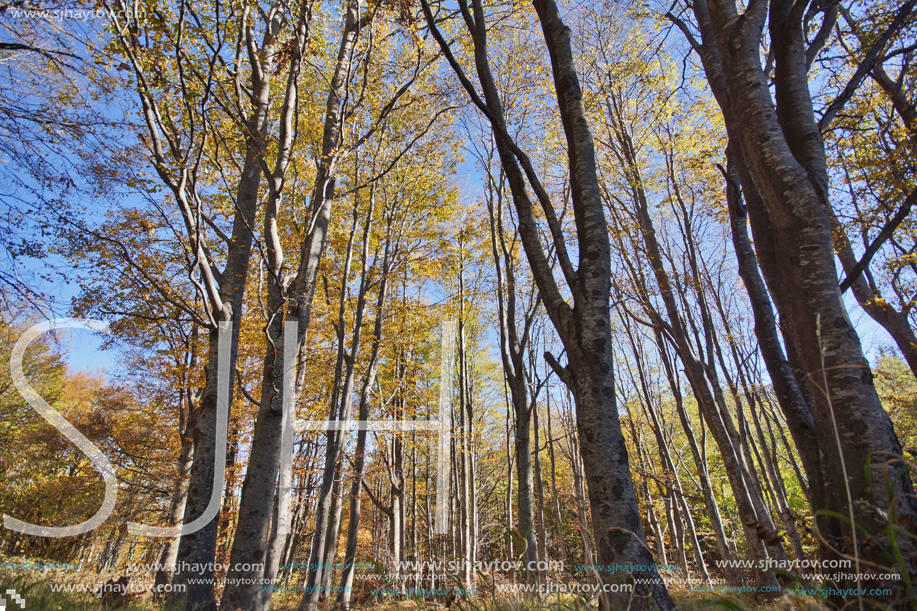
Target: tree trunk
353,528
513,346
786,164
791,400
584,328
539,488
558,518
177,509
700,462
700,376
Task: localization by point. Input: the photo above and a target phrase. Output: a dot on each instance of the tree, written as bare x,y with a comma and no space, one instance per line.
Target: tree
184,67
871,147
781,158
516,320
585,327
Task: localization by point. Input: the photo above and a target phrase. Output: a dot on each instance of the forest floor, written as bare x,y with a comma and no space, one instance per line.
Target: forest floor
37,591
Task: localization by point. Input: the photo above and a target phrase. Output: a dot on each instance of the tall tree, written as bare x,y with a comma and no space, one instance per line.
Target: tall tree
177,91
781,157
585,327
516,316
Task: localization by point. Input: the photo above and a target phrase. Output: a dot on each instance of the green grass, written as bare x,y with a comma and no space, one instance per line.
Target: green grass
38,595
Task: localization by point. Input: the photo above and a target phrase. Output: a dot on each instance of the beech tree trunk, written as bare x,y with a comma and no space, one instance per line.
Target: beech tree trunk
700,462
515,335
221,291
177,509
791,400
584,328
701,376
783,152
251,543
353,527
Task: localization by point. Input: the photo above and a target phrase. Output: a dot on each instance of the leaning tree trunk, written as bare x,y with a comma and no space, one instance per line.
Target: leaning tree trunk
558,517
700,463
353,528
584,328
679,504
701,377
783,153
791,400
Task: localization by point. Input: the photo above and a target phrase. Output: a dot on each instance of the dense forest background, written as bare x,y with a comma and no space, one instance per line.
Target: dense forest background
648,269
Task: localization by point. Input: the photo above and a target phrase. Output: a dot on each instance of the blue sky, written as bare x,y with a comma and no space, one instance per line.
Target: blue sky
85,352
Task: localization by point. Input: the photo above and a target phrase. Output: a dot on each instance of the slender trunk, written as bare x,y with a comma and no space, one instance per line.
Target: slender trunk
870,299
353,528
707,394
780,500
789,397
177,509
526,509
539,488
558,518
700,463
582,513
334,530
510,450
463,447
513,344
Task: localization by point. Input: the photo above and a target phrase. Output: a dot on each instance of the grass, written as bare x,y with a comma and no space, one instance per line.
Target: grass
39,596
35,587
